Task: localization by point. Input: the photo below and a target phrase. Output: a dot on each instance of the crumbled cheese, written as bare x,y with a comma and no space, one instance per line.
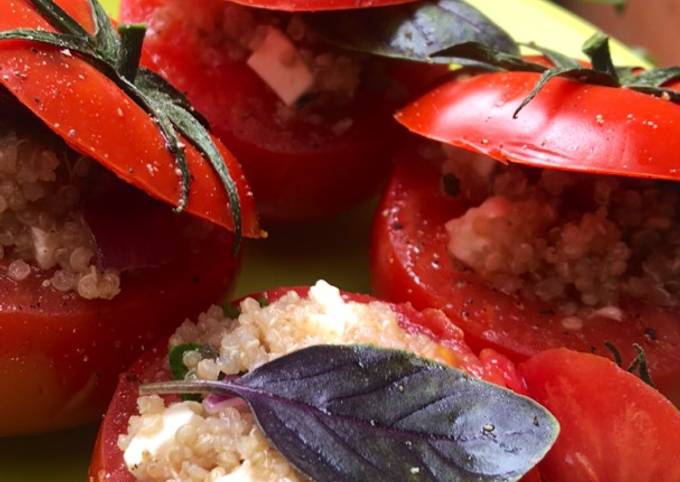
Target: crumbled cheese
465,243
146,444
336,315
281,66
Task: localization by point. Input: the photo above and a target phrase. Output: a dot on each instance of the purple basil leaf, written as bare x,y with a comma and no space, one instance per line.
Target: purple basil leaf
412,31
358,413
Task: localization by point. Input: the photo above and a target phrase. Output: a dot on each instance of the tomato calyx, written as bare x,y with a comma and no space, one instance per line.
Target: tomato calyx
601,72
638,366
116,53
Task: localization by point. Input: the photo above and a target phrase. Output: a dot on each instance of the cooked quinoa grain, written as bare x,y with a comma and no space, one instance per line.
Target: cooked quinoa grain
581,242
189,441
41,225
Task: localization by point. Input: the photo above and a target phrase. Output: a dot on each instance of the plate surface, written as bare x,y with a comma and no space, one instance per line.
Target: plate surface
335,250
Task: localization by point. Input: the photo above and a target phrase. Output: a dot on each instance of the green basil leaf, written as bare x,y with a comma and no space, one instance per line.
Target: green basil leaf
360,413
411,31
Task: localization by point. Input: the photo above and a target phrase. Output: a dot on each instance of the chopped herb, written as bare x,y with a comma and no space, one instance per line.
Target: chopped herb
176,358
231,310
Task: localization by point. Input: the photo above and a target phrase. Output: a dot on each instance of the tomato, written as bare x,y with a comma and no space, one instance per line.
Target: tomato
302,171
569,125
614,427
60,353
410,262
107,463
318,5
85,108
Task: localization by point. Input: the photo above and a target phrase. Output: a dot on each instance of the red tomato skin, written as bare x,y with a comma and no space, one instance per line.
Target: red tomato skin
569,125
410,262
94,117
294,179
614,427
318,5
107,462
60,355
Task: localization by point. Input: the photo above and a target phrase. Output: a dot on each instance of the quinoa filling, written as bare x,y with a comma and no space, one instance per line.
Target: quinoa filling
580,242
314,82
41,223
191,441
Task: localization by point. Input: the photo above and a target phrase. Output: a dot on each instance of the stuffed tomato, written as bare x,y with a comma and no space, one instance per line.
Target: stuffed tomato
310,122
552,226
153,438
148,437
92,269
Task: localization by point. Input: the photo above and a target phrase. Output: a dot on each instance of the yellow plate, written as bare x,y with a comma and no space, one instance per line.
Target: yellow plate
336,250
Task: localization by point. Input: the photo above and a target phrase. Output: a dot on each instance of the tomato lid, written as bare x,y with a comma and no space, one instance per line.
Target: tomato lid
95,117
317,5
569,125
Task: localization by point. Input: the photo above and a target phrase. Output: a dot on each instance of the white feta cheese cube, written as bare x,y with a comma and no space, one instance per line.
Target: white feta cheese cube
281,67
145,446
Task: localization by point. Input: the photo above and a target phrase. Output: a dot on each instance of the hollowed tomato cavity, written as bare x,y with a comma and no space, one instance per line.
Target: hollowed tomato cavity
42,228
310,123
579,242
314,83
73,225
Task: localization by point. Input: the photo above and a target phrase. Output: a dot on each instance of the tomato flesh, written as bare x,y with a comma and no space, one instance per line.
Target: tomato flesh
410,262
107,463
85,108
300,171
60,354
614,428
